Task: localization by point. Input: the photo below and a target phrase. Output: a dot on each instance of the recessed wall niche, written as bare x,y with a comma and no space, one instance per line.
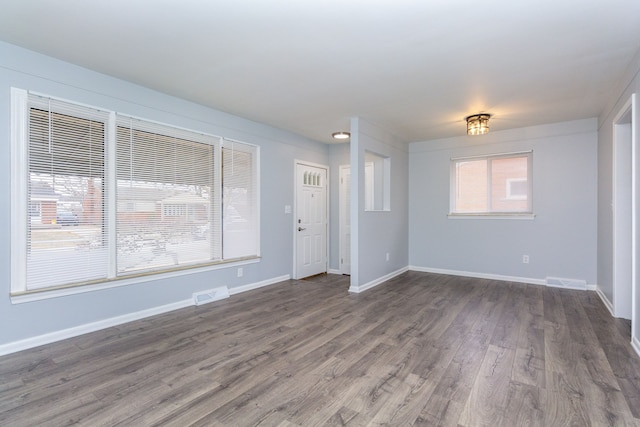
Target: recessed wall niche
377,182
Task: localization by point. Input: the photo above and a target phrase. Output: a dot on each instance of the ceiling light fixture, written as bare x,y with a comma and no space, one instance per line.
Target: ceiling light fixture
341,135
478,124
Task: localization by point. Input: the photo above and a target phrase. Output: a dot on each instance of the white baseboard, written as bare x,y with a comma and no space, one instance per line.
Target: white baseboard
75,331
257,285
516,279
361,288
605,300
334,271
63,334
635,343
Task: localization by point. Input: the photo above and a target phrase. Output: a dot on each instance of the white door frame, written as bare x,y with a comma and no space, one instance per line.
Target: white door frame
624,208
345,209
295,212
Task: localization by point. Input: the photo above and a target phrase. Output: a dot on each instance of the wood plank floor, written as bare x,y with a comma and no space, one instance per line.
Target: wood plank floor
422,349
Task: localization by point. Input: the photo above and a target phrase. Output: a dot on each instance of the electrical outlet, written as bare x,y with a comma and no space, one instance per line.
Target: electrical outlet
240,272
525,259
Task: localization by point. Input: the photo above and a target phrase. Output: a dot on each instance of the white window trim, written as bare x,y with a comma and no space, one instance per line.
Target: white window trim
19,129
45,293
528,215
19,132
111,179
516,216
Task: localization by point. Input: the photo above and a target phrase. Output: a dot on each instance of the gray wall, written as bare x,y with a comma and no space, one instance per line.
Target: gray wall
28,70
628,84
560,241
374,234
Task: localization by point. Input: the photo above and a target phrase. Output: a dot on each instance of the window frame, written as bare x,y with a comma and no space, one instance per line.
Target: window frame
21,102
377,182
489,213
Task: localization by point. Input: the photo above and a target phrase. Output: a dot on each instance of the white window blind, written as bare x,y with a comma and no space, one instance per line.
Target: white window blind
494,184
240,231
98,196
167,193
65,188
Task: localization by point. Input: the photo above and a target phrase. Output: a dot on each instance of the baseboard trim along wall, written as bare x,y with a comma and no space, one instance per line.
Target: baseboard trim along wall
75,331
257,285
361,288
89,327
516,279
635,343
605,300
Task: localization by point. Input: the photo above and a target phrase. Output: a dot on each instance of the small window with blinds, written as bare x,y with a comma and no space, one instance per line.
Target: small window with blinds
498,184
98,196
240,200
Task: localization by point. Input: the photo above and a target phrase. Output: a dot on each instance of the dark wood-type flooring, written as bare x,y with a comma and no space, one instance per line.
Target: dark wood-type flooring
421,349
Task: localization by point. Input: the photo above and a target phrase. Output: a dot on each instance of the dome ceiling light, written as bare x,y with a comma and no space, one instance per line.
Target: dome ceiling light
341,135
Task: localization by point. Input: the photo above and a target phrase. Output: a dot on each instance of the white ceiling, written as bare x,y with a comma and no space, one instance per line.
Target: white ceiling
416,67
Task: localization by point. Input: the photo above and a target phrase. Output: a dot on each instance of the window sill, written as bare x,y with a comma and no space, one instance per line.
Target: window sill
517,216
43,294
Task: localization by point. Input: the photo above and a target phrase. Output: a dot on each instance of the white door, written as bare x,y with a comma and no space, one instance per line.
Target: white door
311,220
345,219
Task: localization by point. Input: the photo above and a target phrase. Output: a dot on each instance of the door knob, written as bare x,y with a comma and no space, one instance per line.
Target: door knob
300,228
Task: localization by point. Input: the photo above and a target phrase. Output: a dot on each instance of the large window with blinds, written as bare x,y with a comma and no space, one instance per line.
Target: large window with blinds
99,196
168,209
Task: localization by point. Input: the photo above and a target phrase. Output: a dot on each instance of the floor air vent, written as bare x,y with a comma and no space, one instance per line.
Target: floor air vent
557,282
211,295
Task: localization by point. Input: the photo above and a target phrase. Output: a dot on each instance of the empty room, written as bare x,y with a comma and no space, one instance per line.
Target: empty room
307,213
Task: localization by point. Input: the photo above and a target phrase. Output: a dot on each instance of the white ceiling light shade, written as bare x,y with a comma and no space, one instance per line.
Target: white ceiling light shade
341,135
478,124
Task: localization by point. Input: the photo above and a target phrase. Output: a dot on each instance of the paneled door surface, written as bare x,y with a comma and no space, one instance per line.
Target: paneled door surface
311,220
